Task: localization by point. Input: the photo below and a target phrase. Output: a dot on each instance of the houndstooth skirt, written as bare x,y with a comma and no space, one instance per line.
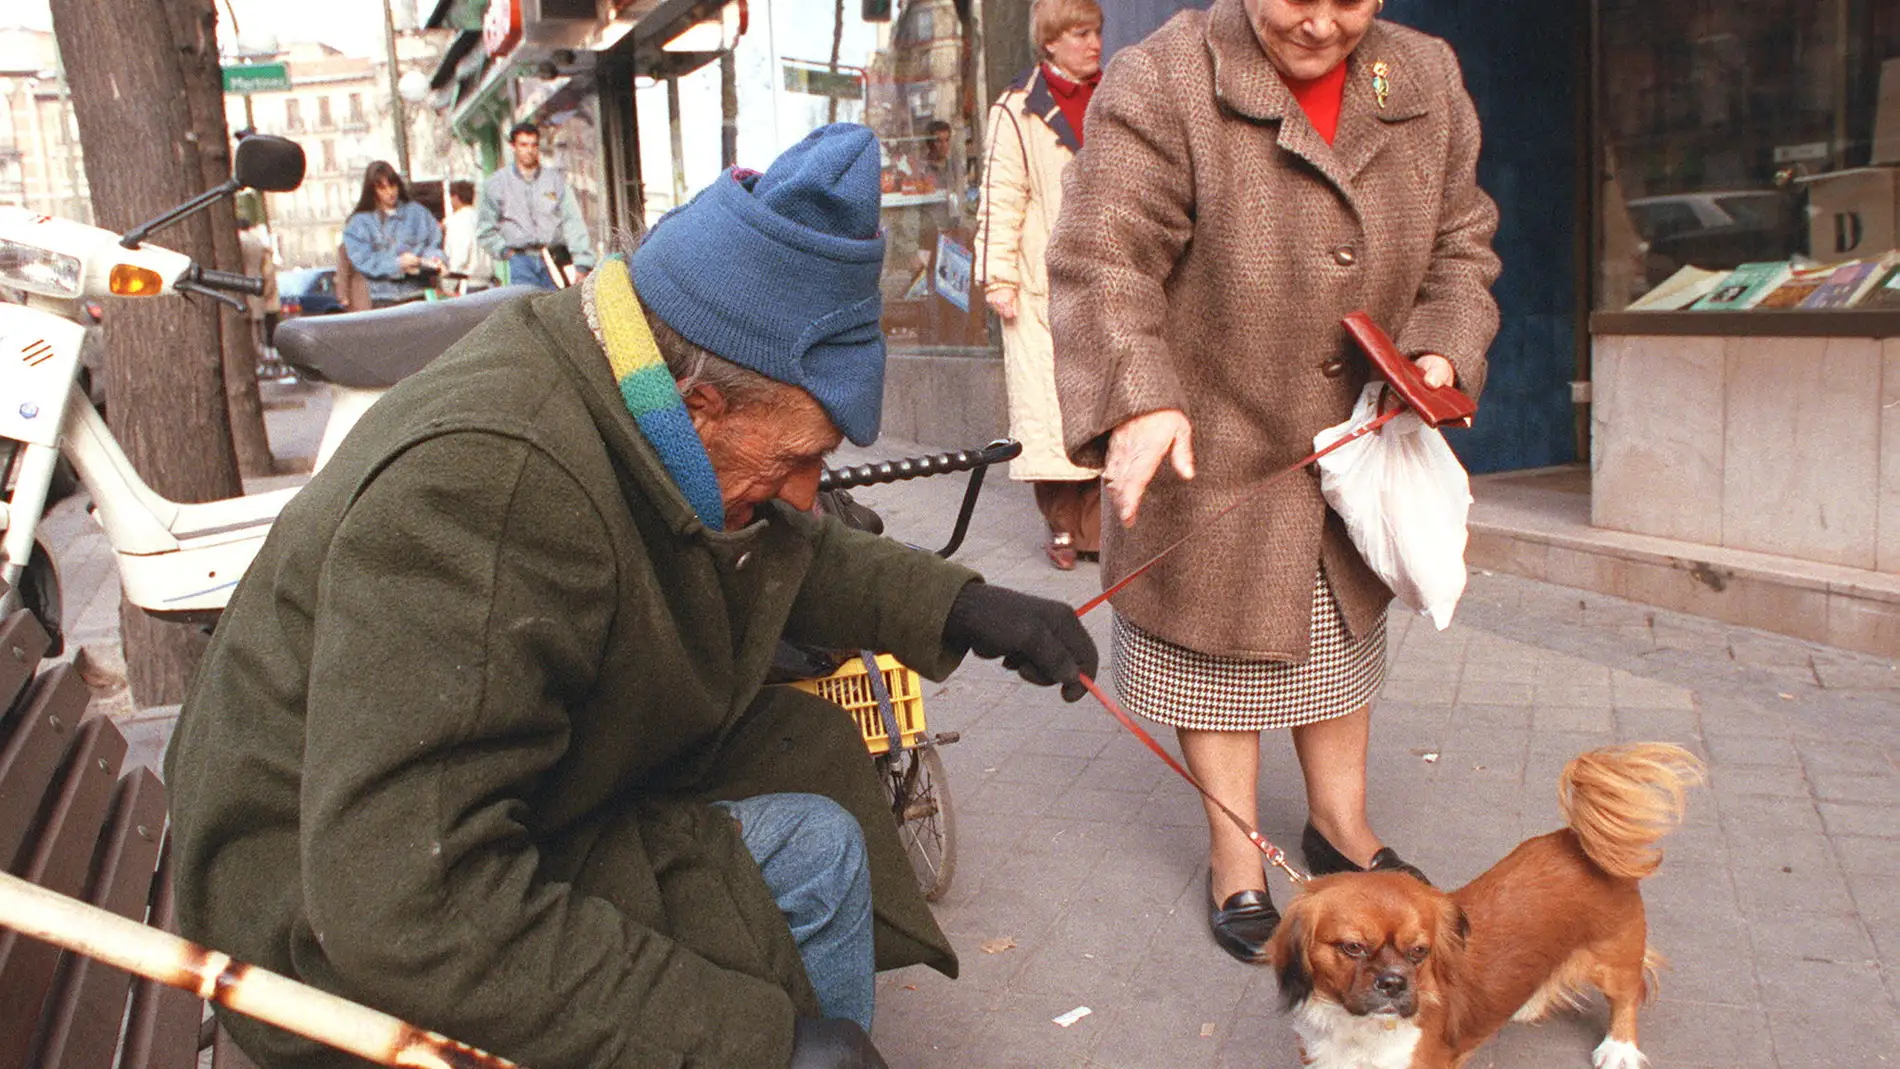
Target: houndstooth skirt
1182,688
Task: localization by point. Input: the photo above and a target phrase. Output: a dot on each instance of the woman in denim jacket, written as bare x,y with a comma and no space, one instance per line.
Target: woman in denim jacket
391,240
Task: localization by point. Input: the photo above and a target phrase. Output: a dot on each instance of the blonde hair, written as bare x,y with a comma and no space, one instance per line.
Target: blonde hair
1050,19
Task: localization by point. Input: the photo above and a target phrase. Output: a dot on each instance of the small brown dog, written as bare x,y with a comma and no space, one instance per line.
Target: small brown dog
1382,971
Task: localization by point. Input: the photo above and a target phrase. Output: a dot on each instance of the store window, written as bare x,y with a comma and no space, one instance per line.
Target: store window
920,100
1748,152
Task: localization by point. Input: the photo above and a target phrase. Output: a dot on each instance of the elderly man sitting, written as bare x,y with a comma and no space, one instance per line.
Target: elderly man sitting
482,740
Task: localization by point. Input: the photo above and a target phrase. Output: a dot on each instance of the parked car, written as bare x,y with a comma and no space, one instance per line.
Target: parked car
1717,228
307,291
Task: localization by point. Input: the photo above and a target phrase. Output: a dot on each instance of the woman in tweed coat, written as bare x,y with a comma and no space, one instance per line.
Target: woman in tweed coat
1035,129
1253,173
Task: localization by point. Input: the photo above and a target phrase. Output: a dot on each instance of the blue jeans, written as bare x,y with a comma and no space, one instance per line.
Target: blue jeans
811,852
528,269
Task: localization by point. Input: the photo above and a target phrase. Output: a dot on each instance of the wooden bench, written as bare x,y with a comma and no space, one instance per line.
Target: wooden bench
71,820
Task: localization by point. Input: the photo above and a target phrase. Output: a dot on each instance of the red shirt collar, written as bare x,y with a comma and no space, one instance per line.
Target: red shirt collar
1064,87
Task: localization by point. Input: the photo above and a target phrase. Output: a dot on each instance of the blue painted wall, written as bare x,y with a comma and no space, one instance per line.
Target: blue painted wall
1521,65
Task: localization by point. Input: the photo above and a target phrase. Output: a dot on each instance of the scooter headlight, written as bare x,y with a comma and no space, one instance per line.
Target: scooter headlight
37,270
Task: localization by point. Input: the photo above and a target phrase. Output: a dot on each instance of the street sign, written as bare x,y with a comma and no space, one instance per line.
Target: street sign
256,78
842,84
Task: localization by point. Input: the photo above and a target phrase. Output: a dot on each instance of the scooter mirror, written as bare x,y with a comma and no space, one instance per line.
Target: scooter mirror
268,163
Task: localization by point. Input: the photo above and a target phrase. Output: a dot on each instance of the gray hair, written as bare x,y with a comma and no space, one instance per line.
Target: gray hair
692,365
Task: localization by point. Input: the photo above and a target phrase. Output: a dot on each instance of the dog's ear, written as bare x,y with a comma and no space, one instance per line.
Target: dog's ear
1448,943
1287,952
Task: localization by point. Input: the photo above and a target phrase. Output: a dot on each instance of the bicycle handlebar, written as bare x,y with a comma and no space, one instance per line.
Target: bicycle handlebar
891,471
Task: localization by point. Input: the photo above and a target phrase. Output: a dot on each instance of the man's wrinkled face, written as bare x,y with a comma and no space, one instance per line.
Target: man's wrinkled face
764,450
1307,38
527,151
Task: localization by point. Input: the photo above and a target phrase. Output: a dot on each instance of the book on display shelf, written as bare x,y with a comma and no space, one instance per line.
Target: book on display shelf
1845,285
1884,293
1745,286
1688,285
1801,284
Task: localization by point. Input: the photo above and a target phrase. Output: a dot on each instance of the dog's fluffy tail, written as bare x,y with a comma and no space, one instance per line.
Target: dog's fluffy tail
1621,799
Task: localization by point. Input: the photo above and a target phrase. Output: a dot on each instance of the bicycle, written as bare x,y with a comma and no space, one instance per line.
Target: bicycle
885,697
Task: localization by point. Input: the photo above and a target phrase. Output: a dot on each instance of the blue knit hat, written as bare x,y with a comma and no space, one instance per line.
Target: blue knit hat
778,272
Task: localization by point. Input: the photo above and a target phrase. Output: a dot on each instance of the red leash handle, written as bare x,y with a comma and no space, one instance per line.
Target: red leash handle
1436,405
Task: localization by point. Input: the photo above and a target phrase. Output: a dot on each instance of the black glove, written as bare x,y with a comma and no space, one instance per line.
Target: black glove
832,1043
1038,639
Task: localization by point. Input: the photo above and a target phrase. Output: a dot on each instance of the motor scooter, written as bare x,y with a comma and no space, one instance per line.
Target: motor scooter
177,560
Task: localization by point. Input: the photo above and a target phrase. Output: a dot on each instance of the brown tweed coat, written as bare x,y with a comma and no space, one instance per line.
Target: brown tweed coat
1209,243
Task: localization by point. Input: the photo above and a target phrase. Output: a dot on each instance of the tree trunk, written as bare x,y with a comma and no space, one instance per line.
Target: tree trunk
131,89
193,28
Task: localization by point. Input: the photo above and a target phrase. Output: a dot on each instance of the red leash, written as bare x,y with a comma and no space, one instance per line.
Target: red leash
1435,405
1275,855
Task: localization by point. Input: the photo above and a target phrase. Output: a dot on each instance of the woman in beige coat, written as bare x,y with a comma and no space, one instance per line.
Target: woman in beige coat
1254,173
1035,129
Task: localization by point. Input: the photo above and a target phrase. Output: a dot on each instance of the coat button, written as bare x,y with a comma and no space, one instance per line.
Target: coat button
1344,256
1333,368
743,560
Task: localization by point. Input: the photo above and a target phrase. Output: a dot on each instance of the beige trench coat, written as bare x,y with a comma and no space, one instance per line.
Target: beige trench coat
1030,144
1209,243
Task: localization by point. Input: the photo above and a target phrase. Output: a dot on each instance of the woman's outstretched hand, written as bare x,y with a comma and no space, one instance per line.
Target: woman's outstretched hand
1135,452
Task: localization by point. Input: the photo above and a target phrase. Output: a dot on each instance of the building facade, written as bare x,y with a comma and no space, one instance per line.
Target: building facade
340,109
40,163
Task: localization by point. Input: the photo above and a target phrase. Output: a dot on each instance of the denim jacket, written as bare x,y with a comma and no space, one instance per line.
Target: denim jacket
374,241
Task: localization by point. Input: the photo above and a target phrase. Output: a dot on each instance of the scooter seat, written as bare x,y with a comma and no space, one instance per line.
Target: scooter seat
379,348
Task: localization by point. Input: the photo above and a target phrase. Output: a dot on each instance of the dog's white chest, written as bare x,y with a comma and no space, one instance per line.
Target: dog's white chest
1331,1038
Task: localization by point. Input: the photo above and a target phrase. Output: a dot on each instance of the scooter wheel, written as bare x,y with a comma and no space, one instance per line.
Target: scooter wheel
39,592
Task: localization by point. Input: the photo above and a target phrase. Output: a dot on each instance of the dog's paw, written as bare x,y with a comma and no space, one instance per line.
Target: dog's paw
1616,1054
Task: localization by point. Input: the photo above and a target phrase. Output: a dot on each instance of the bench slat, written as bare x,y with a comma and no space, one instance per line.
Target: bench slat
22,643
90,1000
60,860
163,1028
32,756
21,646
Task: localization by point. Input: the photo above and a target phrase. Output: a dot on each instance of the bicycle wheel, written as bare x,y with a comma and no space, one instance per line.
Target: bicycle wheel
919,796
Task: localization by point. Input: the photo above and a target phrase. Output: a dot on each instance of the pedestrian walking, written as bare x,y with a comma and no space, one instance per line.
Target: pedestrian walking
469,268
391,241
260,261
528,215
1035,130
1253,173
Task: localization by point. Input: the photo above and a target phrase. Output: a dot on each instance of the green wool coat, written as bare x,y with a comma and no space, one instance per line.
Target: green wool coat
450,751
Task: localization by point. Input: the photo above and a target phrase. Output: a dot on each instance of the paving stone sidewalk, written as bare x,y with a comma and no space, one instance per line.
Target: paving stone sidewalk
1081,858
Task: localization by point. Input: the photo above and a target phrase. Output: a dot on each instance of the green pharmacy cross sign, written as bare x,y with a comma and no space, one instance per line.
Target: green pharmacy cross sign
256,78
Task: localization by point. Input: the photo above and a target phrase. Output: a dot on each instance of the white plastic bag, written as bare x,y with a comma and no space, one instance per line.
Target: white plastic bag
1404,498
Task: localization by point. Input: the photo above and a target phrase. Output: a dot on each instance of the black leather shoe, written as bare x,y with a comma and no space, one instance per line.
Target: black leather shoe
1322,859
1243,924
